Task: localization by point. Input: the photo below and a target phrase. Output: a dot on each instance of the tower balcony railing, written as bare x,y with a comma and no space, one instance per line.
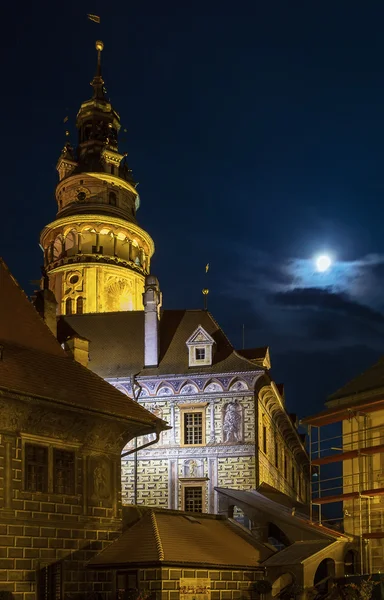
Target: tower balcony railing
96,257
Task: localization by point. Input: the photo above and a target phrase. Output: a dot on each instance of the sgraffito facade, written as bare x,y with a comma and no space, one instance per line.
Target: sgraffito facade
244,438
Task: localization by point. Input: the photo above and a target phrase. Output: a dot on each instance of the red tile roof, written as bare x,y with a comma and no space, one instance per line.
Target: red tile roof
117,343
175,537
33,363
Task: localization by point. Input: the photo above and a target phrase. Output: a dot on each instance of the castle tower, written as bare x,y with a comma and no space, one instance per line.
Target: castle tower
96,257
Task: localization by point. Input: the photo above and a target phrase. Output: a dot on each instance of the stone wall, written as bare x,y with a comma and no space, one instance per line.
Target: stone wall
38,530
164,584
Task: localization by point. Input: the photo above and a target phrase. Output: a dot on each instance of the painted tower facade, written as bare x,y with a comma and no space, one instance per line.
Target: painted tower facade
96,257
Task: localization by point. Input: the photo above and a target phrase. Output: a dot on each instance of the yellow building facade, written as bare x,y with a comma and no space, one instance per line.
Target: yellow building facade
96,257
355,449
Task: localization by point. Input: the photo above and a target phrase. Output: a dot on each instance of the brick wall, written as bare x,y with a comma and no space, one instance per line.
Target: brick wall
38,529
164,584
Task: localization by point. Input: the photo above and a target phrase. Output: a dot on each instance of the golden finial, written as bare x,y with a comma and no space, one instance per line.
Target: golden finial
205,292
99,46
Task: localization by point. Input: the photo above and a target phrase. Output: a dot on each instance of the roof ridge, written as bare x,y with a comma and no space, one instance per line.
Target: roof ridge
159,545
221,329
32,313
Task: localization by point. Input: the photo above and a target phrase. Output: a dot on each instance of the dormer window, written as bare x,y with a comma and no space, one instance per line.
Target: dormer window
200,348
200,353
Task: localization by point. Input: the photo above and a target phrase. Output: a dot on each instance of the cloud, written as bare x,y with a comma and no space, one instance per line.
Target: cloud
291,305
324,299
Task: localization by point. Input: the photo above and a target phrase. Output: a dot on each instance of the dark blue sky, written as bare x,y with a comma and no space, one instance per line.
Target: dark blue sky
256,132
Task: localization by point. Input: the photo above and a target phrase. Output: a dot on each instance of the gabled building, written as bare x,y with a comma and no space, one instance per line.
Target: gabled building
170,554
229,424
62,430
357,409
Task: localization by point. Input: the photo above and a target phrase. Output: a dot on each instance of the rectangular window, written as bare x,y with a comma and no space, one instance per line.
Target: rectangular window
193,499
36,468
285,467
126,585
200,353
264,439
293,477
63,472
276,454
50,582
193,428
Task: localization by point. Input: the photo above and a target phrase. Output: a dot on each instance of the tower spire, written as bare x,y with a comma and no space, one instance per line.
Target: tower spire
98,82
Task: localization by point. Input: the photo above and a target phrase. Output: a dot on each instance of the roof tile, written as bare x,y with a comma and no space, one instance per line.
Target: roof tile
34,364
175,537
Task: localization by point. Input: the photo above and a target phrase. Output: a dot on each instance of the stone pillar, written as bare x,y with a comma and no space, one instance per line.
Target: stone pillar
8,441
212,438
172,436
173,483
212,483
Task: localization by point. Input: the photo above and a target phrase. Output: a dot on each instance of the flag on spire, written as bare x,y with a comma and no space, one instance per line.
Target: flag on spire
207,267
94,18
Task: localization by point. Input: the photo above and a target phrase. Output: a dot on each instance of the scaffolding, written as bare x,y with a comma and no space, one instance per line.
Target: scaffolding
348,467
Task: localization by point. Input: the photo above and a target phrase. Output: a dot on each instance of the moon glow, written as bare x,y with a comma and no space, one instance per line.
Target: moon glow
323,263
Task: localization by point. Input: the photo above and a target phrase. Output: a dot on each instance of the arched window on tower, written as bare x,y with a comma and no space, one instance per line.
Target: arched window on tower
112,198
68,306
79,305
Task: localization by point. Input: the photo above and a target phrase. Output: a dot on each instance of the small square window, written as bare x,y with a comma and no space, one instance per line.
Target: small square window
193,499
200,353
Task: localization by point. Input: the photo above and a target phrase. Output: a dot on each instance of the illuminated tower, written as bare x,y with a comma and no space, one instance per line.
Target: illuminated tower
95,255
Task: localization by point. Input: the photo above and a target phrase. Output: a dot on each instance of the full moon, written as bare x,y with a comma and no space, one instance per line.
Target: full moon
323,263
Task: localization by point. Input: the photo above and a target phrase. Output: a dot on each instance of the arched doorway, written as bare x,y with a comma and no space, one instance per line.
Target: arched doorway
350,563
325,572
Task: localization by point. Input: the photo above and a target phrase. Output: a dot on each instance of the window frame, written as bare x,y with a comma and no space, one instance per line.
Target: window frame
193,408
51,445
277,454
264,439
50,580
199,482
45,466
202,349
120,572
72,472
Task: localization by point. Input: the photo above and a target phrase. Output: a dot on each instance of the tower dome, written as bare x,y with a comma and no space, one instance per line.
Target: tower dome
95,255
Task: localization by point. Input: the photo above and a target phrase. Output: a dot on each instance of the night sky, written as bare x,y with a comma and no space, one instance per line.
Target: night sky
256,132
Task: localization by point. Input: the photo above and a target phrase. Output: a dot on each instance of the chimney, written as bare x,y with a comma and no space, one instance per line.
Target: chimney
78,347
152,300
46,305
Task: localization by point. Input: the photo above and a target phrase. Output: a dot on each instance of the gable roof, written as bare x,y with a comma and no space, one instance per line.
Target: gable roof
200,336
276,512
370,380
175,537
34,364
18,322
297,553
259,356
117,343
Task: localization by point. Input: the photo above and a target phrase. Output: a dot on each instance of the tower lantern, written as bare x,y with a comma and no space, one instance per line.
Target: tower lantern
95,254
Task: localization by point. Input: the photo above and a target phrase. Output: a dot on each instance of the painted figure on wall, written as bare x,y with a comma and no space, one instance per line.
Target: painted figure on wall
232,422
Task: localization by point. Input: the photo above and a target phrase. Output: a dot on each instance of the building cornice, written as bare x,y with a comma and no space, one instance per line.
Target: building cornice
78,220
